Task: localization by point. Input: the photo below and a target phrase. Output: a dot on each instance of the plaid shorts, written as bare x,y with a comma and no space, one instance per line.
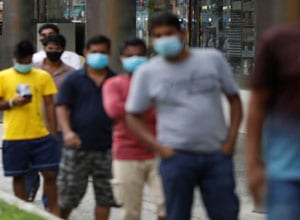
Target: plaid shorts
74,171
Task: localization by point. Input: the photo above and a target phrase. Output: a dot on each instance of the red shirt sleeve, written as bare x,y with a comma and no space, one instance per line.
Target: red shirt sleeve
113,102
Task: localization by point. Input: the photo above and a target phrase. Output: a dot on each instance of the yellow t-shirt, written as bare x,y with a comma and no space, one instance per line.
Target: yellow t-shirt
25,122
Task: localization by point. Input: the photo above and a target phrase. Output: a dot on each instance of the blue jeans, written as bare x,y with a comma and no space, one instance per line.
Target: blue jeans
212,173
283,200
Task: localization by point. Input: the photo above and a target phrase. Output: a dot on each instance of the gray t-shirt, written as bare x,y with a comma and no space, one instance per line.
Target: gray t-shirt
187,97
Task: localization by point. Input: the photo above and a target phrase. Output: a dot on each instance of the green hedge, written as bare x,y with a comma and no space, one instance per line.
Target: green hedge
9,212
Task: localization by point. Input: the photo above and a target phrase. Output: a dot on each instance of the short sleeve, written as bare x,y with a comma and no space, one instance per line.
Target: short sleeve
139,98
263,76
38,56
76,61
1,87
72,59
113,100
49,87
66,94
228,83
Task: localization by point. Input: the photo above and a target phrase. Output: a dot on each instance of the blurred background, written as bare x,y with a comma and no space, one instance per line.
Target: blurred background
232,26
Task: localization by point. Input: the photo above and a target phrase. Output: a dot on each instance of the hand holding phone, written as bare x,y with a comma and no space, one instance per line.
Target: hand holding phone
23,90
20,101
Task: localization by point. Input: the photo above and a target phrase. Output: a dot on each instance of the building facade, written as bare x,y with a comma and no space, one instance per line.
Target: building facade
228,25
232,26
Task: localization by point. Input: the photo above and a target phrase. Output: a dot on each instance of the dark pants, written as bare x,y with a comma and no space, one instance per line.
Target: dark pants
32,178
212,173
283,199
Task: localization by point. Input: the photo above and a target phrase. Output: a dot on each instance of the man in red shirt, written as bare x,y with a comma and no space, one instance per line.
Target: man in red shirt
134,163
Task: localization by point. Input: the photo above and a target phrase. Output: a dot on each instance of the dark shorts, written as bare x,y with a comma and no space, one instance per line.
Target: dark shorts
74,171
41,154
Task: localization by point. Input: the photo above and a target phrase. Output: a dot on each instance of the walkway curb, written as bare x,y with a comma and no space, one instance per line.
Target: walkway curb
25,206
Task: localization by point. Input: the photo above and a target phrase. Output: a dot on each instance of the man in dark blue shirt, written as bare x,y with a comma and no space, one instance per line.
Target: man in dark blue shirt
87,132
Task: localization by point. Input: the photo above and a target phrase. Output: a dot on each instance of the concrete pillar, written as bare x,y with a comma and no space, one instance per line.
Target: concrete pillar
276,12
113,18
269,13
18,23
293,11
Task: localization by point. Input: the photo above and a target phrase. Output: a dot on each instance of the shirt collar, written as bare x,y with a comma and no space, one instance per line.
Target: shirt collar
61,70
110,72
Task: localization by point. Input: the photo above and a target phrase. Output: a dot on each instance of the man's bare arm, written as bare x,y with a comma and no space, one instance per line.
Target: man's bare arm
17,101
256,116
71,139
4,105
137,126
63,118
50,114
236,114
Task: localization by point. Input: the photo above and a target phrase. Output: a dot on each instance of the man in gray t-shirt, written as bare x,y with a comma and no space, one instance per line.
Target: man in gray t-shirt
193,140
187,97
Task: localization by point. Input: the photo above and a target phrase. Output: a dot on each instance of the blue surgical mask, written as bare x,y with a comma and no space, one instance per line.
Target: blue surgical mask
130,64
97,61
168,46
22,68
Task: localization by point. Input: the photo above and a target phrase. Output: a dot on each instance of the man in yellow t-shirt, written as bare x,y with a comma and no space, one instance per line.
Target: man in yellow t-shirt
27,141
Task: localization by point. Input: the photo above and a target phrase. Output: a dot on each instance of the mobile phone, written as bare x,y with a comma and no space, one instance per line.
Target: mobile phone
24,90
27,96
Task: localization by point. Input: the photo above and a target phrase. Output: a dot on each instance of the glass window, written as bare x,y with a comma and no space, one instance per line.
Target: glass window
61,11
228,25
68,15
142,15
75,10
145,8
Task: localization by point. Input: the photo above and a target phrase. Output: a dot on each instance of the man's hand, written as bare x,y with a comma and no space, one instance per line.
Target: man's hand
228,147
71,139
256,182
20,101
166,152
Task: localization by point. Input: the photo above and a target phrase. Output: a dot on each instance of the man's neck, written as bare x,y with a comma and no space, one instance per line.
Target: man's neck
184,54
97,76
52,64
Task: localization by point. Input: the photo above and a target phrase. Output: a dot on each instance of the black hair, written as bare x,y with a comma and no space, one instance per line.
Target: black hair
57,39
98,39
133,42
164,18
49,26
24,49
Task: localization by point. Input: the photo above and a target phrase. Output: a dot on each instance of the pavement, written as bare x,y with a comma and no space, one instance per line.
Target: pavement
86,209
